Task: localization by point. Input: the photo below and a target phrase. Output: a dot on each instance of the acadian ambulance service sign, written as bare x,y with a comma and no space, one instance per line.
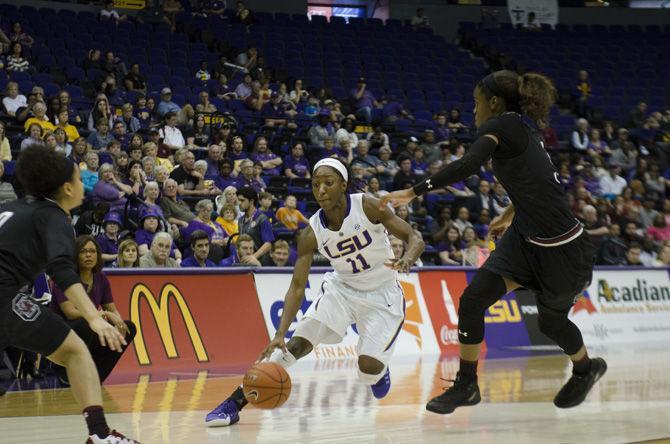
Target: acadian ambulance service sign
625,306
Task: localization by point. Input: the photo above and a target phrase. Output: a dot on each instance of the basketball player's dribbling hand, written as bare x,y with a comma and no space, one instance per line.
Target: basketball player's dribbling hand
498,226
108,334
397,198
277,342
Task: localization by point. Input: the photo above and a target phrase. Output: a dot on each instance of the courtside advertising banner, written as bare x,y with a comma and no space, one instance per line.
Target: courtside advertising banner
546,11
624,307
415,337
190,322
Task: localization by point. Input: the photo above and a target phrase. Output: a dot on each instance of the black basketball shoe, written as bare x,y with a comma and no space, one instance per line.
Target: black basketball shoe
575,390
464,392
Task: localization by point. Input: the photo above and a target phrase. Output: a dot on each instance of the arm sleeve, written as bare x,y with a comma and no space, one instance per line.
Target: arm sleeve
58,242
460,169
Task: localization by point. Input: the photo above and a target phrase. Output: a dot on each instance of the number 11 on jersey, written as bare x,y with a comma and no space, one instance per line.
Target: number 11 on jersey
358,261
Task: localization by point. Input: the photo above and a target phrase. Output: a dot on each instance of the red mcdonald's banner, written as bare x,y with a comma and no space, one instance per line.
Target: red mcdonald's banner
190,322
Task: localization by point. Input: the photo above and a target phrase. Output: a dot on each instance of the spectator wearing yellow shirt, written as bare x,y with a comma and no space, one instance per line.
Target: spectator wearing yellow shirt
151,149
228,219
40,118
63,122
5,150
289,215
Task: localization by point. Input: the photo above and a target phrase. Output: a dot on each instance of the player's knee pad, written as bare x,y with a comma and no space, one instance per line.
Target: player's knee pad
485,289
369,379
283,358
563,332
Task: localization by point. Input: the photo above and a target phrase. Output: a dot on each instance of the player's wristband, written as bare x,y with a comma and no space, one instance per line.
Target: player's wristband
421,187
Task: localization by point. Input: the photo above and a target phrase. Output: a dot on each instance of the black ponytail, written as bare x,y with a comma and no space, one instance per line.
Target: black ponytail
531,94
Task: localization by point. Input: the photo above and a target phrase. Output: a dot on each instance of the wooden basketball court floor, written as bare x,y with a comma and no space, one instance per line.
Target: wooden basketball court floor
328,405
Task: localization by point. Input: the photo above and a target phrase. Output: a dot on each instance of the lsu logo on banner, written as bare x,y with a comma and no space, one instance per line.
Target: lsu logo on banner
505,310
161,314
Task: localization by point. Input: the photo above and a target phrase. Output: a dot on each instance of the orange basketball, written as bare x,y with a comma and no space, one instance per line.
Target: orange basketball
266,385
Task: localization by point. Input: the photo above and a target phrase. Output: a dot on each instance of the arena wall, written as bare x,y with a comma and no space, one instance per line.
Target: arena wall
219,320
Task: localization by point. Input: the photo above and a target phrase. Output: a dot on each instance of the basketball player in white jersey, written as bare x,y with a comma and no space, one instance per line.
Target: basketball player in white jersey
350,230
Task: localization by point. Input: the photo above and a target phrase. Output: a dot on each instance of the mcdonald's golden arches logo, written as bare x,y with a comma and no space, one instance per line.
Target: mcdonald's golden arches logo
160,310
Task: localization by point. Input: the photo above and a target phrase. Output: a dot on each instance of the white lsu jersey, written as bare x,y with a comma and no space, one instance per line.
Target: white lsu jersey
358,250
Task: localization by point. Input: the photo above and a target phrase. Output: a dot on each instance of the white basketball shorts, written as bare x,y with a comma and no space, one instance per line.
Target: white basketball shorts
378,316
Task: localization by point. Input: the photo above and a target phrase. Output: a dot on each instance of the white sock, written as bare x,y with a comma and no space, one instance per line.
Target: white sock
369,379
285,359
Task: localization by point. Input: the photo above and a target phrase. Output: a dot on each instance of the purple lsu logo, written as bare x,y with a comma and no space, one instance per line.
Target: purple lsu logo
350,245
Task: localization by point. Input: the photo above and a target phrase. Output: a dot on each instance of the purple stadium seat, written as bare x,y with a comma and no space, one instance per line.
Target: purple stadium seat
75,74
75,91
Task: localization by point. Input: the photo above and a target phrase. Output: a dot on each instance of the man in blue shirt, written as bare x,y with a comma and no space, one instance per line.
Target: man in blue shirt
365,101
200,247
166,104
243,254
254,223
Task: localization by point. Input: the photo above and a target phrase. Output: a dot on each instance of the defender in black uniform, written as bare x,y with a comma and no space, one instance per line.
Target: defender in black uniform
543,248
36,235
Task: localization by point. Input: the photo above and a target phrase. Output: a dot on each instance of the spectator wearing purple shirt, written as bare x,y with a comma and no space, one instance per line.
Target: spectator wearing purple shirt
214,156
330,150
393,110
121,134
108,241
274,112
203,221
237,154
109,189
145,235
296,164
254,223
449,249
200,248
152,198
247,178
242,253
365,101
225,177
419,164
441,129
270,161
88,260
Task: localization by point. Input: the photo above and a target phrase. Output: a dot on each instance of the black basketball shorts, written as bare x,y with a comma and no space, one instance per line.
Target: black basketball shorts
556,274
27,325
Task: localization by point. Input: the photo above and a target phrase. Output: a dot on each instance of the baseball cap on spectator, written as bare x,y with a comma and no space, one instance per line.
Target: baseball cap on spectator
166,91
328,102
413,139
274,94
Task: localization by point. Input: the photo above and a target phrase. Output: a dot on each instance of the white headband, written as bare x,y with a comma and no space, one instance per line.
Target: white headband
333,163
